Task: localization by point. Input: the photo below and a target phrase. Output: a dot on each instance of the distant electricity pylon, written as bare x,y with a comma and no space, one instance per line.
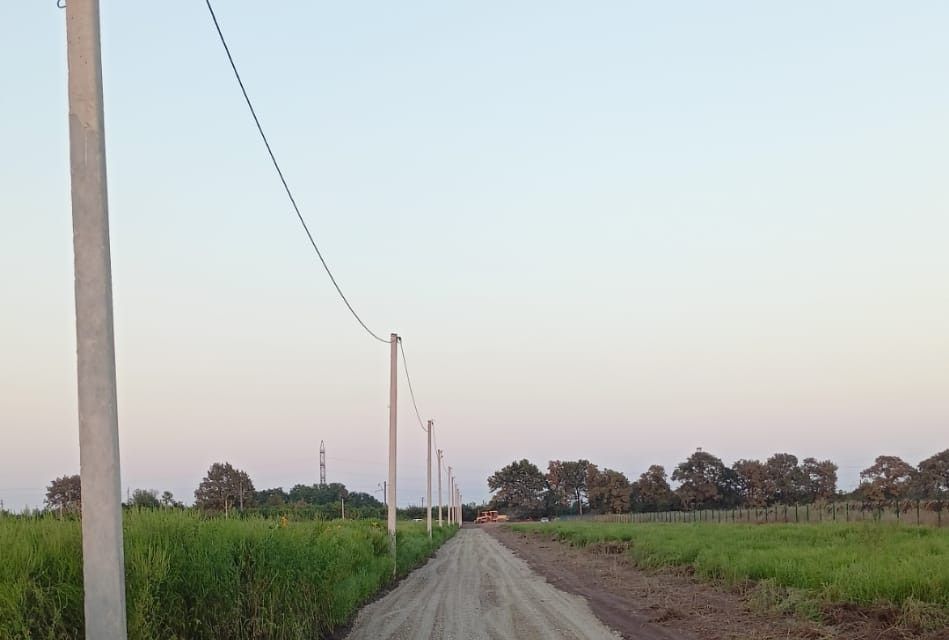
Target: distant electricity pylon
322,463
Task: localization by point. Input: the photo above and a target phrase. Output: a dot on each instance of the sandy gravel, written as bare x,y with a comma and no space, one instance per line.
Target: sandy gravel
476,588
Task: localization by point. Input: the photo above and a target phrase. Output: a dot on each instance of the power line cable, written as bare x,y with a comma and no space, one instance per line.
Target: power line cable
408,378
296,209
283,180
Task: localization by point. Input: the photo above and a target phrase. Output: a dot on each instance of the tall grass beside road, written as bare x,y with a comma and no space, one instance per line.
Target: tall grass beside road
190,577
865,564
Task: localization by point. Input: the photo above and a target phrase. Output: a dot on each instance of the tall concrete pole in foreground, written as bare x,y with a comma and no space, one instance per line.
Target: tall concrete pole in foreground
428,471
393,413
103,560
439,455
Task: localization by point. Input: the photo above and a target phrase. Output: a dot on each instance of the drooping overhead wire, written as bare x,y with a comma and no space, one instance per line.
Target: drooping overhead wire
408,378
303,224
283,180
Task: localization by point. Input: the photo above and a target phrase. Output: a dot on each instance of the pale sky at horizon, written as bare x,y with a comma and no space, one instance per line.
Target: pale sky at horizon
614,231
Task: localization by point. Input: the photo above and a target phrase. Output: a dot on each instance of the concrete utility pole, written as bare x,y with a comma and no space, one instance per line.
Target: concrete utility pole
428,470
439,454
393,413
103,560
451,492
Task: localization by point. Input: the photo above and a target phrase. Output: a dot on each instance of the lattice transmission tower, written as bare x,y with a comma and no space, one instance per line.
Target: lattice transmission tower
322,463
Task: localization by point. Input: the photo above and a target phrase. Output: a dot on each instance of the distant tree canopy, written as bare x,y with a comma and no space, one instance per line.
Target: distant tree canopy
568,482
322,501
361,499
608,490
819,479
275,497
519,488
932,479
652,491
785,479
752,483
224,488
145,499
705,482
168,500
317,493
888,478
64,495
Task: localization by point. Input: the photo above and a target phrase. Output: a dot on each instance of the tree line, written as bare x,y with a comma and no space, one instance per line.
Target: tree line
703,481
227,490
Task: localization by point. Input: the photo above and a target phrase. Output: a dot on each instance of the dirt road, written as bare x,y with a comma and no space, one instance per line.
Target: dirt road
475,588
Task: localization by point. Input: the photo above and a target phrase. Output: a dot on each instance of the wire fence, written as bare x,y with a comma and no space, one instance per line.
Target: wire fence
909,512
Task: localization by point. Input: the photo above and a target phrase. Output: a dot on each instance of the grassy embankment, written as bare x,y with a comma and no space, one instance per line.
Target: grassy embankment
797,567
189,577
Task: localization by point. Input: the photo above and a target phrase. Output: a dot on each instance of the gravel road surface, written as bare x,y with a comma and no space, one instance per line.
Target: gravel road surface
473,589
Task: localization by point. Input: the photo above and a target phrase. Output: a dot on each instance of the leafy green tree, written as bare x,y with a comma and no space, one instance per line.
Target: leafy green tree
223,489
608,491
145,499
64,495
889,478
651,492
569,479
519,488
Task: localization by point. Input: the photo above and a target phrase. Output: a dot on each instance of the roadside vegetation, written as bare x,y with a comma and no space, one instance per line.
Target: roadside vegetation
808,569
229,491
190,576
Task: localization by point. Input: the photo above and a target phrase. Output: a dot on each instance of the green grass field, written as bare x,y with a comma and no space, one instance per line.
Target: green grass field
866,564
189,577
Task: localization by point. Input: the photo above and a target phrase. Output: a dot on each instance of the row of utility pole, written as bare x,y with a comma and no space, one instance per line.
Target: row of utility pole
454,495
102,543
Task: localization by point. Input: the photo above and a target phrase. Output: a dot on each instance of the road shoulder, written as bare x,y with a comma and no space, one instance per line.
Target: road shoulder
641,604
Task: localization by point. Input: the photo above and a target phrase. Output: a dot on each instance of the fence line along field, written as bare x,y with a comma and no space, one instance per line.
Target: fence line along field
805,568
915,512
194,577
